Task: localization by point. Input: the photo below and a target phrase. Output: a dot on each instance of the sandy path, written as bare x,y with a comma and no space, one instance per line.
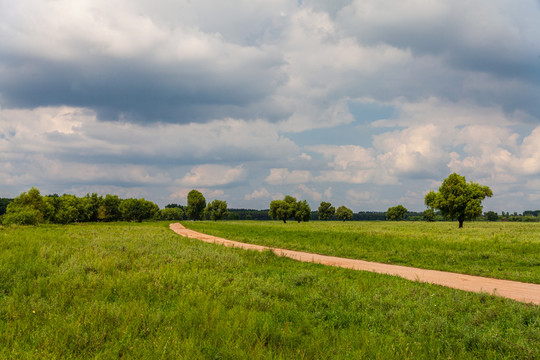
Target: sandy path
524,292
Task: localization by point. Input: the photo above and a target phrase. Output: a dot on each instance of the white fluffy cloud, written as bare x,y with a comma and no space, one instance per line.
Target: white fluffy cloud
311,193
261,193
213,175
282,176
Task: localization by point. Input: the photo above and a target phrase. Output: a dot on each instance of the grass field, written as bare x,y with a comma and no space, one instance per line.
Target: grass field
109,291
500,250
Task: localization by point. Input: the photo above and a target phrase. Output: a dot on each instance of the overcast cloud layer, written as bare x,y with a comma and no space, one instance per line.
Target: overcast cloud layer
364,103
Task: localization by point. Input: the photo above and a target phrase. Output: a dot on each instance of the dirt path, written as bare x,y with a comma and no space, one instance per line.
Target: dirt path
528,293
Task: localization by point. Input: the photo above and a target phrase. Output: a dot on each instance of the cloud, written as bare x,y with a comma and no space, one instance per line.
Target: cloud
358,196
311,193
179,195
75,134
130,65
415,151
280,176
496,153
213,175
261,193
352,164
328,193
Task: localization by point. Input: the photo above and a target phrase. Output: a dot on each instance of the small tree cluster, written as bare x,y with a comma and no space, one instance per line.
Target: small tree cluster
217,210
138,209
492,216
396,213
30,208
290,208
197,209
171,213
344,213
428,215
326,211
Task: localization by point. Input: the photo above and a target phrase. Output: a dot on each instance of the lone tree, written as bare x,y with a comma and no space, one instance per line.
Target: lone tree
344,213
396,212
326,211
217,210
458,199
196,203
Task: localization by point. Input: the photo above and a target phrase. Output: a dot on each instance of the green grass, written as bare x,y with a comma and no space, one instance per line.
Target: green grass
109,291
500,250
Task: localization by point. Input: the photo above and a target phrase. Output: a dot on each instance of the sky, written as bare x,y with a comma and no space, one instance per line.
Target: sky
362,103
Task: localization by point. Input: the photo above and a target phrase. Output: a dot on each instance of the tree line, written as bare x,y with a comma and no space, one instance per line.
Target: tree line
455,200
31,208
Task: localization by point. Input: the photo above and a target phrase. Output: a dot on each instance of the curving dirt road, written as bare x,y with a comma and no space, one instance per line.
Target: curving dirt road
524,292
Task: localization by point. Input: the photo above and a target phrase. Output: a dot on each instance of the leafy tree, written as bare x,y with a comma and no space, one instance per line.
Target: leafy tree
217,210
344,213
51,208
26,209
302,211
326,211
492,216
283,209
279,210
137,209
196,203
428,215
171,213
70,209
457,199
92,203
289,208
109,210
396,213
23,216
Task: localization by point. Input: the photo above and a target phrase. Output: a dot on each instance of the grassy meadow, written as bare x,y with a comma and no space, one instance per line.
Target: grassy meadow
501,250
134,291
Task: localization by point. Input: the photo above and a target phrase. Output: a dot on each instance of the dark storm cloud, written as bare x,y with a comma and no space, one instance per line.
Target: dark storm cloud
135,90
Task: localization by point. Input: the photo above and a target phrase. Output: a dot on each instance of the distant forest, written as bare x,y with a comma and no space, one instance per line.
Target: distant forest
251,214
254,214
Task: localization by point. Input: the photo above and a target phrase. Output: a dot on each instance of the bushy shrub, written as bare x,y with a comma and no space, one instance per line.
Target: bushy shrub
137,209
344,213
396,213
217,210
171,214
24,216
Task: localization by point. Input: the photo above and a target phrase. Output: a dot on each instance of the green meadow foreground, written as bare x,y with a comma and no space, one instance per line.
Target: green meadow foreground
141,291
500,250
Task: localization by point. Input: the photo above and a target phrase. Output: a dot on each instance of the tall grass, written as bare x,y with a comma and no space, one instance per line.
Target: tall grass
123,290
500,250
